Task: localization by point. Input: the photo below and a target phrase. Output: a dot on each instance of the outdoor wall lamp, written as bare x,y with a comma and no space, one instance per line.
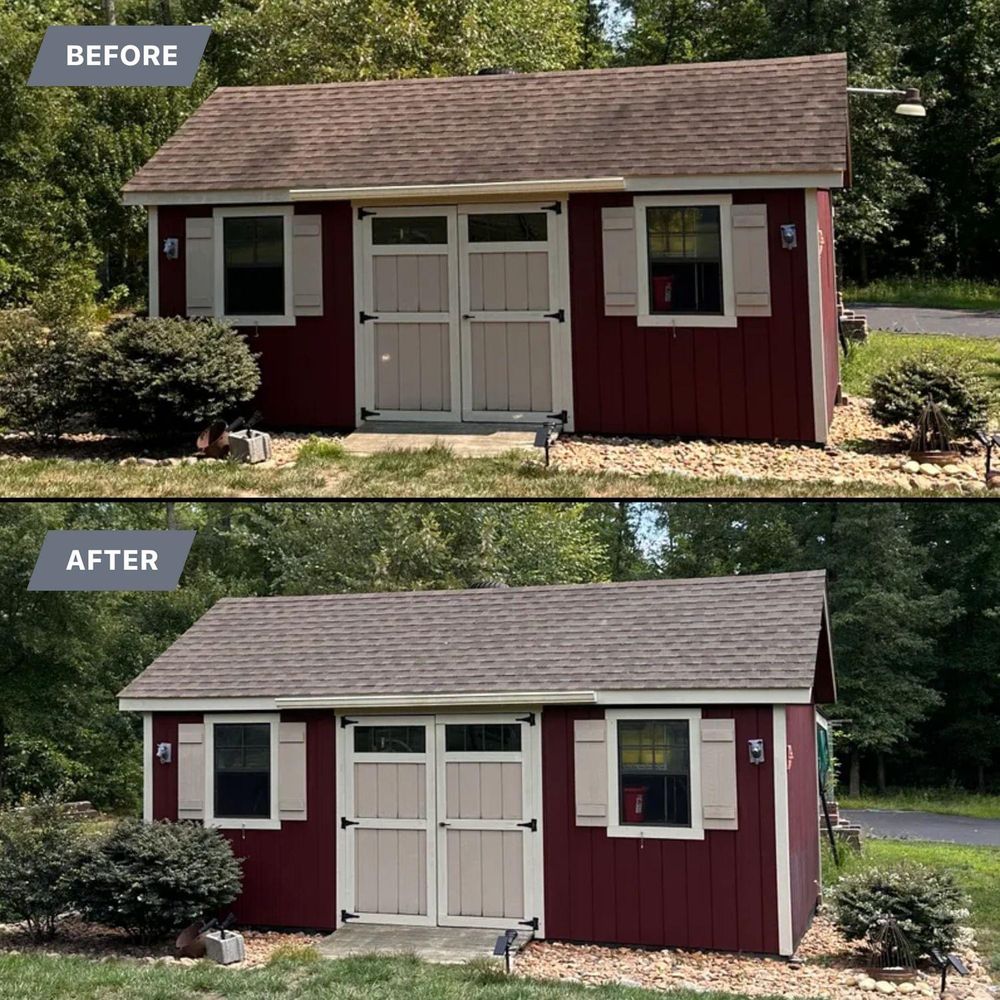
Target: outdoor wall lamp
910,105
164,753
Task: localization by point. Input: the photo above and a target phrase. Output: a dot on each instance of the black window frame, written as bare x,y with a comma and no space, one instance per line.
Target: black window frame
380,731
505,737
673,780
255,311
242,748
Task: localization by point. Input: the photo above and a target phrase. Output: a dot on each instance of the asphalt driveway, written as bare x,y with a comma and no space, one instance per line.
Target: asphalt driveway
906,825
911,319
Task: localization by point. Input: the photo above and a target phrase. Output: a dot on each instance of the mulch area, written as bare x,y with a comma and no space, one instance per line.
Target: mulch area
77,937
859,450
826,965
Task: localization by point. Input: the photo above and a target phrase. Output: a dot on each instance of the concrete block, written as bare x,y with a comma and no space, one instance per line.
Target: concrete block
224,950
250,446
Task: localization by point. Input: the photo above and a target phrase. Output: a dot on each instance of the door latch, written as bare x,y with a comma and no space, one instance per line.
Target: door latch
532,825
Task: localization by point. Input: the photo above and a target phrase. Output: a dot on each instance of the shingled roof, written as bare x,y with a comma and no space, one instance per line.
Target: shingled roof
737,632
742,117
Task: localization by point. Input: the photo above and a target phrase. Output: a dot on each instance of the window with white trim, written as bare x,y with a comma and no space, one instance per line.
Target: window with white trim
253,265
684,254
241,760
654,773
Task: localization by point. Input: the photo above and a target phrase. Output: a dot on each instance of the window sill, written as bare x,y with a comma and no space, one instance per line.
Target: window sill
259,320
637,830
244,824
688,320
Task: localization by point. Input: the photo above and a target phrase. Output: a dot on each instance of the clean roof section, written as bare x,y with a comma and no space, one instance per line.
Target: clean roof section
767,116
726,633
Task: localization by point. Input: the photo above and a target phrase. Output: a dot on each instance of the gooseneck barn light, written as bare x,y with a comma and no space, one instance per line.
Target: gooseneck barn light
910,105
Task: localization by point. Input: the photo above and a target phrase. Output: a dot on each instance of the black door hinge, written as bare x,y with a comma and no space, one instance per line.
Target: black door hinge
344,720
562,416
366,413
345,822
555,207
532,825
362,212
529,718
345,916
532,923
363,317
559,315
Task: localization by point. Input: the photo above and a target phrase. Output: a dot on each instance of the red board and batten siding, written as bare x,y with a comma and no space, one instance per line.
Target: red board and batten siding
828,298
307,369
803,815
718,893
754,381
289,875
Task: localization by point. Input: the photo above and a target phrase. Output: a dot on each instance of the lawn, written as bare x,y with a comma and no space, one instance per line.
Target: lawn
976,868
947,801
42,977
932,293
883,348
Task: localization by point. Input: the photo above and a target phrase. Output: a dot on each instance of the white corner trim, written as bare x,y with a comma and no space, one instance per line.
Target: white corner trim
147,767
153,270
219,215
724,203
616,828
273,822
732,182
243,197
541,186
816,352
782,850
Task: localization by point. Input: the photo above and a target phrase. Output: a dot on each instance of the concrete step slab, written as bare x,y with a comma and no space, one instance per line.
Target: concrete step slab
464,440
446,945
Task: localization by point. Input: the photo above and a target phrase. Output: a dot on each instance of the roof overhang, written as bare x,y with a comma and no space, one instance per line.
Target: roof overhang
475,699
543,186
825,677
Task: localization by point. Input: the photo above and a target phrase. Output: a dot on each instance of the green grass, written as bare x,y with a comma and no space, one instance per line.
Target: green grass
933,293
326,471
946,801
41,977
977,870
883,349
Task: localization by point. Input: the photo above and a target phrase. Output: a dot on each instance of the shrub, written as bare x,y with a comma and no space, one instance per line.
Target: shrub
173,375
40,848
44,373
152,879
900,393
66,296
926,902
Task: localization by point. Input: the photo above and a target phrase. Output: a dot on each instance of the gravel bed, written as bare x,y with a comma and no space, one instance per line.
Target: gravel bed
859,450
825,966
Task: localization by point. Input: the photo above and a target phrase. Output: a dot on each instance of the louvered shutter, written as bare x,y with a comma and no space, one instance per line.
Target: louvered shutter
751,269
590,771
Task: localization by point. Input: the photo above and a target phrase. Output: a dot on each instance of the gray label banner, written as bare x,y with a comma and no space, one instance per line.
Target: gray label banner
111,560
119,56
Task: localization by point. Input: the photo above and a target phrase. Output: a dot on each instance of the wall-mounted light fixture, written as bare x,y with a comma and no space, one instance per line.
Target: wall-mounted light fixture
164,752
171,248
911,105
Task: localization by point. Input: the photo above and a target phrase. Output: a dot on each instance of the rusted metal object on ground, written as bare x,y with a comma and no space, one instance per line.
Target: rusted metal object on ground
190,942
213,441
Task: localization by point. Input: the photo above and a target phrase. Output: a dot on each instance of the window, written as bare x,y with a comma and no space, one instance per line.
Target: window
409,229
253,265
502,737
390,739
241,759
684,256
654,773
508,227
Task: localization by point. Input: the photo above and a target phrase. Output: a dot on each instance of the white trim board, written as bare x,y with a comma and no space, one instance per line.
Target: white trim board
816,340
147,767
153,267
242,197
782,850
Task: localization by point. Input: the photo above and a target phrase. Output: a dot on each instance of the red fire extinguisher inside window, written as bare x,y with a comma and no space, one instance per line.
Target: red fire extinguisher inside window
635,804
663,292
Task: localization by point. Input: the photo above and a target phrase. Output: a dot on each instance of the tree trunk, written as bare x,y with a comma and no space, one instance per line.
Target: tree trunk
854,781
3,755
880,771
171,516
109,12
981,779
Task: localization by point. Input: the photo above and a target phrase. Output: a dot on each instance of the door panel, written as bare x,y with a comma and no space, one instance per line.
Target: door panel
485,874
414,366
511,366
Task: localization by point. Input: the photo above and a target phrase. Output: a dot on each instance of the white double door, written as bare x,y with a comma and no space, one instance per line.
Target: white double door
439,820
461,312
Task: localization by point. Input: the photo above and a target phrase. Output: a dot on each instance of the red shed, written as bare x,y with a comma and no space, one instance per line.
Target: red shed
629,763
646,250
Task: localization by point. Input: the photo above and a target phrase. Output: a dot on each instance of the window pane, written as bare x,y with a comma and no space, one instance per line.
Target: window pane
654,766
508,226
389,739
253,254
242,763
685,259
498,737
393,231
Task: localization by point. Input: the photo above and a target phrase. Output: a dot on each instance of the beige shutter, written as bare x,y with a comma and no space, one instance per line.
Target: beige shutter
751,273
199,267
307,264
292,770
590,771
190,771
621,270
718,774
